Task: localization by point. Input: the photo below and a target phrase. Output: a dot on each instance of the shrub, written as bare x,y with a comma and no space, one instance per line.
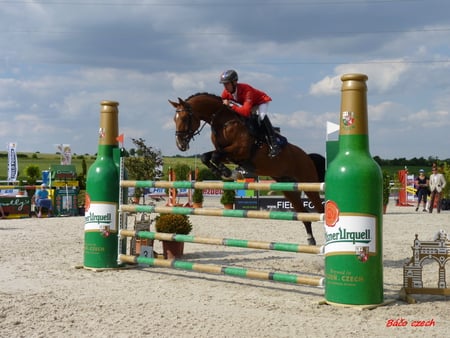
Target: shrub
173,224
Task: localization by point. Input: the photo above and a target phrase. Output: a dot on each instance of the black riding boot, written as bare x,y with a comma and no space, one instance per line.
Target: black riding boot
270,136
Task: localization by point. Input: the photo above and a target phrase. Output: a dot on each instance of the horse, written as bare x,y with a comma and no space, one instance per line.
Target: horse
234,142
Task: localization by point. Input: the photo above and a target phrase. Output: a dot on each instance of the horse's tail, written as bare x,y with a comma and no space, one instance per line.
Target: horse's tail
319,162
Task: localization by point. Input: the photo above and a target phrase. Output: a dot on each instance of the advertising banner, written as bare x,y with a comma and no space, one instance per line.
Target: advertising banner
13,166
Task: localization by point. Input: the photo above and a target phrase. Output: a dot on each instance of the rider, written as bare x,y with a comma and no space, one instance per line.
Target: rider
251,101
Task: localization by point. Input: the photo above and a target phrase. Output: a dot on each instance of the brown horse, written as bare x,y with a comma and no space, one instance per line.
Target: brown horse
234,142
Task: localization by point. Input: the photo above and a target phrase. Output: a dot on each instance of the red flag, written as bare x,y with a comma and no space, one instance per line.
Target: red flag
119,138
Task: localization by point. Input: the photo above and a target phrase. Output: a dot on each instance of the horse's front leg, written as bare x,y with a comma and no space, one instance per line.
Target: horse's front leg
206,160
217,159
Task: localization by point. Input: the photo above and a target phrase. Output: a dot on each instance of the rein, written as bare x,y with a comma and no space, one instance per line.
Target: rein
191,133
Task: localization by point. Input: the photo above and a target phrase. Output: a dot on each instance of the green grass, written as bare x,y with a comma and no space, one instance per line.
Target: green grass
45,161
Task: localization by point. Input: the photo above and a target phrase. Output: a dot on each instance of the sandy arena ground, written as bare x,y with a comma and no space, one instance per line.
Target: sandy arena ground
42,294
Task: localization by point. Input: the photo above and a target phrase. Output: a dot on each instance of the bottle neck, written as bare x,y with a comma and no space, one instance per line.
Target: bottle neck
105,150
353,128
353,143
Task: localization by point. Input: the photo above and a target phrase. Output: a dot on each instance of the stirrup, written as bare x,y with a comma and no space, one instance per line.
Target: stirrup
274,151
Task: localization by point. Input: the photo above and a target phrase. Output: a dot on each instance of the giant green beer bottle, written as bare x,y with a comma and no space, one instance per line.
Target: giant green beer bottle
102,188
353,208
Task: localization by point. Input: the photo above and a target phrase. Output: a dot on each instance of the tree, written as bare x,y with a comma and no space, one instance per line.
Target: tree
146,163
82,176
33,172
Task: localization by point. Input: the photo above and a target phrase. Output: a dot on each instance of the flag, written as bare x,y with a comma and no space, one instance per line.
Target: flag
332,127
13,166
120,139
66,153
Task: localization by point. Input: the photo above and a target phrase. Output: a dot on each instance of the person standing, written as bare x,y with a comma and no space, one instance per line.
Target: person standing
422,189
251,101
437,183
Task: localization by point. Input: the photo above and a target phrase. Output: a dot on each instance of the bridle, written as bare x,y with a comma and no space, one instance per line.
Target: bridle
188,135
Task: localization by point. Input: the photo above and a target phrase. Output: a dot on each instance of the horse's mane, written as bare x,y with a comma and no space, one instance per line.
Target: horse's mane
204,93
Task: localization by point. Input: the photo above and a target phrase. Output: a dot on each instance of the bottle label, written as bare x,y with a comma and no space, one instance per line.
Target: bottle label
101,216
353,123
351,234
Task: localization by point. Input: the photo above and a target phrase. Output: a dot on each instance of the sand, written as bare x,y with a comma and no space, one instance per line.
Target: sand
42,294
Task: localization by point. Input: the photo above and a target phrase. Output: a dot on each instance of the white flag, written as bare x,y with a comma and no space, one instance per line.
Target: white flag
332,127
66,153
13,166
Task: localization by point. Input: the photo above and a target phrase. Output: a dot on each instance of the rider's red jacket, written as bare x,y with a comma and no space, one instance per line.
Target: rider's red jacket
248,97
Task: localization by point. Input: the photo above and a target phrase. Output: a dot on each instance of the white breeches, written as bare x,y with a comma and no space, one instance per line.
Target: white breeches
262,110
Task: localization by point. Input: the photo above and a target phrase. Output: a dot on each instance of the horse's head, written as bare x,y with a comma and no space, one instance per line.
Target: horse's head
186,124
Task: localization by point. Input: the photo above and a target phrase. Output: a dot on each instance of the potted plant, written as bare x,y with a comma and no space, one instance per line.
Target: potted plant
137,195
227,199
386,190
197,198
173,224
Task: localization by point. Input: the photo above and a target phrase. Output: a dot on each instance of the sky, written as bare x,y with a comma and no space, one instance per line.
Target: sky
61,58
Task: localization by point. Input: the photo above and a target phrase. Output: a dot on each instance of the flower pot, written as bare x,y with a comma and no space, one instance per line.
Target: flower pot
172,250
197,205
228,206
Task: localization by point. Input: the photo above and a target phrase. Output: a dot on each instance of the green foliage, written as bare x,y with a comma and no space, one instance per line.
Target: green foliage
173,224
33,173
197,196
81,177
181,171
227,197
146,164
43,162
81,198
386,187
206,174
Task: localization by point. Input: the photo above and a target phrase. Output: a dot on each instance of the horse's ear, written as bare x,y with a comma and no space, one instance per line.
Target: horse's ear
180,101
174,104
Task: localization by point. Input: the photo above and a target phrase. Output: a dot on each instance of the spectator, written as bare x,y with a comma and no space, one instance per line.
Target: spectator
437,183
422,189
42,201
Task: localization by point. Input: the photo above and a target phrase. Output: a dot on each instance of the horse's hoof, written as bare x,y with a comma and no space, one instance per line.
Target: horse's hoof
311,241
226,173
237,175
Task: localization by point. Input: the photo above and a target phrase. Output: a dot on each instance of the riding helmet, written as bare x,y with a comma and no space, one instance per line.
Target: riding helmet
228,76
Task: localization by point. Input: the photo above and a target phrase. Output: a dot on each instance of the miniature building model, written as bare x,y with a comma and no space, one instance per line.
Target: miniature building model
437,250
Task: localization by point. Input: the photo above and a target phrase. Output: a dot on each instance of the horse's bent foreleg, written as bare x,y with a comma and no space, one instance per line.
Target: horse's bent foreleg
295,198
206,160
217,158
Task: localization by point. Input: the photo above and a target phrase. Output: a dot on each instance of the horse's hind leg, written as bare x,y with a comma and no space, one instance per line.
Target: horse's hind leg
295,198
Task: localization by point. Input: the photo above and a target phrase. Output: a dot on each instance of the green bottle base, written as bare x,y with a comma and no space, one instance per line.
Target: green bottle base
350,281
100,251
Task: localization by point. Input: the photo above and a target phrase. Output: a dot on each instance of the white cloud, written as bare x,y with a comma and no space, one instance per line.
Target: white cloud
55,68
